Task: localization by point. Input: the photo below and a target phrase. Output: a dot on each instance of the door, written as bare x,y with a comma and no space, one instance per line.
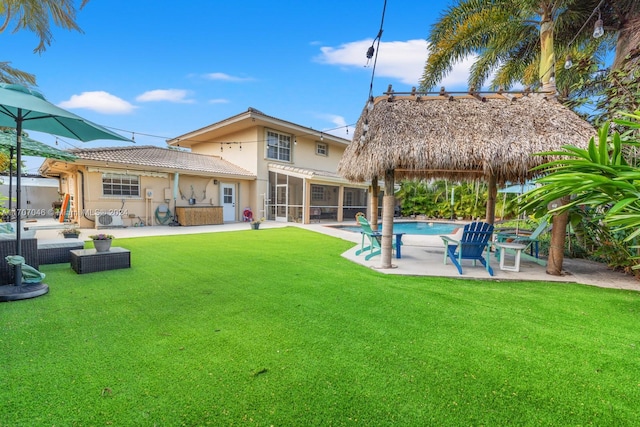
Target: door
281,202
228,202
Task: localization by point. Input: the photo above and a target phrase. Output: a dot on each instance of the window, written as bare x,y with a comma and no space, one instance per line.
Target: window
120,185
322,149
278,146
317,193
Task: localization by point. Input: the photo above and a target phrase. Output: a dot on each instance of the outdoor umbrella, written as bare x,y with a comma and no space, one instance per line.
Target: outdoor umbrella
23,108
29,147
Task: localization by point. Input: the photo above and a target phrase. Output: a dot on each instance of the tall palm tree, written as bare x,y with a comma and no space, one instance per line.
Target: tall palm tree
35,16
519,41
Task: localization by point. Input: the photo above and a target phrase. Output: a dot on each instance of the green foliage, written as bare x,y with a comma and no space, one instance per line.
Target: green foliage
601,179
433,199
271,335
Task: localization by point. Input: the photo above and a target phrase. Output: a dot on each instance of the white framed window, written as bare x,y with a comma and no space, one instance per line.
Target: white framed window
317,193
322,149
278,146
120,185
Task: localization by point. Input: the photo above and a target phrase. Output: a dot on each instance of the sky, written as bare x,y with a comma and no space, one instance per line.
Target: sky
154,70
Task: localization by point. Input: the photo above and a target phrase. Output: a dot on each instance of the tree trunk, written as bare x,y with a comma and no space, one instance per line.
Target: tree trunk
491,200
388,203
558,236
547,53
628,45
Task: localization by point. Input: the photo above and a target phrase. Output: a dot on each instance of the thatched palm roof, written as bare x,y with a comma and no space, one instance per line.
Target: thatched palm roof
460,137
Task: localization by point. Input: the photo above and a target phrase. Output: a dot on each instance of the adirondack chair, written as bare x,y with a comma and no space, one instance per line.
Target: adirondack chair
371,240
530,240
475,239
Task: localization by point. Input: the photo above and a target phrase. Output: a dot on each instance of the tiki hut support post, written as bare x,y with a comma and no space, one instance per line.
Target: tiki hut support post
492,188
373,213
388,203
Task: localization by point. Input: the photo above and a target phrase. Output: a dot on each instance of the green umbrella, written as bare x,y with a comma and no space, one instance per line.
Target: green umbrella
23,108
31,147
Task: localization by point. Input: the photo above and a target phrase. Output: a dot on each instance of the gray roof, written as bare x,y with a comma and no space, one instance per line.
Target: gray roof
161,159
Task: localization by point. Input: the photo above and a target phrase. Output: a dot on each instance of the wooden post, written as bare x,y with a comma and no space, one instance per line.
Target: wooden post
492,189
388,203
373,213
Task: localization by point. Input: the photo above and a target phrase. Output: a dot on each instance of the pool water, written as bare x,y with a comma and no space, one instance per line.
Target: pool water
416,227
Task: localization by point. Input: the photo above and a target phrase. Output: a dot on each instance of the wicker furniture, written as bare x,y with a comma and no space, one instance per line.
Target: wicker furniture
8,247
57,251
90,261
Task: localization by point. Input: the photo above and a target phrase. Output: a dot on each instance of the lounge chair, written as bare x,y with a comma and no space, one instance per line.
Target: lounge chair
529,239
475,239
371,240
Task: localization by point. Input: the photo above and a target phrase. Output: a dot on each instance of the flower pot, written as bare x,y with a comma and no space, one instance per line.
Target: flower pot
255,226
70,235
102,245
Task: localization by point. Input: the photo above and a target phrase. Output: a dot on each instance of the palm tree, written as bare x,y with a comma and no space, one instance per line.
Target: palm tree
519,42
35,16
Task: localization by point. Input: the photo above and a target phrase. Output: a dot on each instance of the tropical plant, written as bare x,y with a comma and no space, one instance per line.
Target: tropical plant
35,16
601,179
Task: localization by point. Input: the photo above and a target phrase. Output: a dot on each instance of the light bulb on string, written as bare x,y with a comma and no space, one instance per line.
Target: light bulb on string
568,63
598,29
370,104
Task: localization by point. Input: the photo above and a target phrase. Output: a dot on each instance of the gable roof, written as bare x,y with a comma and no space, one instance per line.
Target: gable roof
160,160
248,119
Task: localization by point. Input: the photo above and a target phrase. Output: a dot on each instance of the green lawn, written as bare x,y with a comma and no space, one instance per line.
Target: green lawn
274,327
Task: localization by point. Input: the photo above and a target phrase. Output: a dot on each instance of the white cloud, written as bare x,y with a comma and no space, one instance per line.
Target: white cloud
218,101
226,77
100,101
401,60
170,95
341,129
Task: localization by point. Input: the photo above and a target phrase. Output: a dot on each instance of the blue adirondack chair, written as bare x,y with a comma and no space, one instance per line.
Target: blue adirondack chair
475,240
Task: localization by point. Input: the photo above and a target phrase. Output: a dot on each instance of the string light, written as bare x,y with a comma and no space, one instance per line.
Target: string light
568,63
598,29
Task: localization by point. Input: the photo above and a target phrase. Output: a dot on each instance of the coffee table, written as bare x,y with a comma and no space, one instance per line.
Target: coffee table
91,261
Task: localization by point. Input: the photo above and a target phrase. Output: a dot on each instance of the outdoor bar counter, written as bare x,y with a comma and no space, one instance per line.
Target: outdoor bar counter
199,215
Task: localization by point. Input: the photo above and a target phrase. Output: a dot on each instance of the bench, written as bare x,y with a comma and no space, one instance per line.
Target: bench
57,251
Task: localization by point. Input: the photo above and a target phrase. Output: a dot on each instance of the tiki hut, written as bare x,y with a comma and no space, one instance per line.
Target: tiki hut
460,137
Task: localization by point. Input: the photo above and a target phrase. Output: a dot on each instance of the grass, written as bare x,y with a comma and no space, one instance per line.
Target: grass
276,328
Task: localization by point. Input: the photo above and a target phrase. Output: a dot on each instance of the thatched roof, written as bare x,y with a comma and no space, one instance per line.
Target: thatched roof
460,137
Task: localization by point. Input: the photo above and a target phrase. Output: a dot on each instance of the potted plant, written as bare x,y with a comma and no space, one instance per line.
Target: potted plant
255,224
102,242
70,233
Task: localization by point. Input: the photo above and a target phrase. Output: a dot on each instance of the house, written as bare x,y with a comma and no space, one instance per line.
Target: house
277,169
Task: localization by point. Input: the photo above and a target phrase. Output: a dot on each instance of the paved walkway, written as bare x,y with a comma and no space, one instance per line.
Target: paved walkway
421,255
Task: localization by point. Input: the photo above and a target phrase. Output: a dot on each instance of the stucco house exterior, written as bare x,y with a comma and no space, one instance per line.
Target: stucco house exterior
277,169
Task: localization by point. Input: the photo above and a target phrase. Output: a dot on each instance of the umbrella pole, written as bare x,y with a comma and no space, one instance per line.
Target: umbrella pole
10,177
18,268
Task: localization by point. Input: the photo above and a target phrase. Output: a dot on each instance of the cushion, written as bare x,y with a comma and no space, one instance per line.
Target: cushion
6,227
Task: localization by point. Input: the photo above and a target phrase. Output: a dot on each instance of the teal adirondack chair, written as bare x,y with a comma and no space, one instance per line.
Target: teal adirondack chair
530,240
475,240
370,238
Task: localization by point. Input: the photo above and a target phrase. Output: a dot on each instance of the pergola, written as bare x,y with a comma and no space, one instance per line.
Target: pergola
464,136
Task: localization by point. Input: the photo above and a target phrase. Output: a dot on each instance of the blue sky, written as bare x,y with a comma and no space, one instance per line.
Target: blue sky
158,69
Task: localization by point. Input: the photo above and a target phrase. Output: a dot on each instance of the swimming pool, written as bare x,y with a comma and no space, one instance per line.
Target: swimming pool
413,227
